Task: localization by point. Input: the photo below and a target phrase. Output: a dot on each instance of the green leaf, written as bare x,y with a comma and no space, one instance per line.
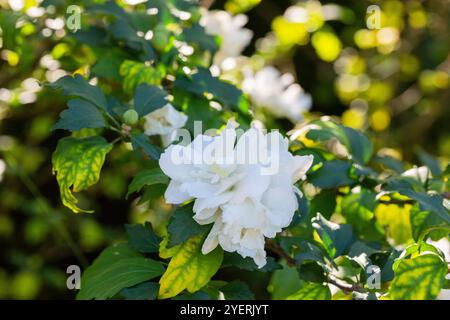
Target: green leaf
148,98
78,86
81,114
136,73
419,278
197,36
427,223
116,268
232,259
324,202
357,144
8,21
336,238
332,174
237,290
203,82
141,291
142,238
189,268
396,220
182,226
358,210
77,164
147,177
284,282
141,142
311,291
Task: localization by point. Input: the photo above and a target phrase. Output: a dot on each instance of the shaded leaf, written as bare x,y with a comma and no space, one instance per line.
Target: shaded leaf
81,114
142,238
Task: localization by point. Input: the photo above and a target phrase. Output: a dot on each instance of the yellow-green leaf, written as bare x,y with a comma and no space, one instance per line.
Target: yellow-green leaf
311,291
189,268
419,278
77,164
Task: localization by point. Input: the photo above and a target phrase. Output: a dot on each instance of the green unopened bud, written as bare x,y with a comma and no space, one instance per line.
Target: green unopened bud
160,37
130,117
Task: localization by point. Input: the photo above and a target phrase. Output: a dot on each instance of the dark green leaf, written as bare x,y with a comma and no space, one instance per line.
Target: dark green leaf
78,86
81,114
182,226
148,98
141,142
332,174
142,238
147,177
142,291
237,290
336,238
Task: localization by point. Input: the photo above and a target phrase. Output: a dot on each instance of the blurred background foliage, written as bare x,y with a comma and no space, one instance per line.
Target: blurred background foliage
392,82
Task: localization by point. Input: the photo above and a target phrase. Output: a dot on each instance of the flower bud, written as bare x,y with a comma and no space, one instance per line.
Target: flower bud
130,117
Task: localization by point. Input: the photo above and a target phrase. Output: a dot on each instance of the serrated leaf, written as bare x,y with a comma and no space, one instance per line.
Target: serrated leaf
311,291
78,86
420,278
148,98
77,164
189,268
142,238
81,114
116,268
182,226
141,142
147,177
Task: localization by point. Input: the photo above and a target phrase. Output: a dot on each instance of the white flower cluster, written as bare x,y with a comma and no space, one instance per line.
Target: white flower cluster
230,29
230,190
277,93
164,121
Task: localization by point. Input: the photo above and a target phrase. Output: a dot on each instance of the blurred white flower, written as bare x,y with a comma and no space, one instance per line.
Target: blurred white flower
230,29
2,169
164,122
420,174
277,93
245,205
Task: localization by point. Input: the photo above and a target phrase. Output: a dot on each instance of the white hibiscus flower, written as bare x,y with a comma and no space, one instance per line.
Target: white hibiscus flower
232,191
230,29
164,121
277,93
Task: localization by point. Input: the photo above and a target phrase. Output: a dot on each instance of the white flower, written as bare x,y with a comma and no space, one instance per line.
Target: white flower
164,122
230,29
277,93
232,191
420,174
